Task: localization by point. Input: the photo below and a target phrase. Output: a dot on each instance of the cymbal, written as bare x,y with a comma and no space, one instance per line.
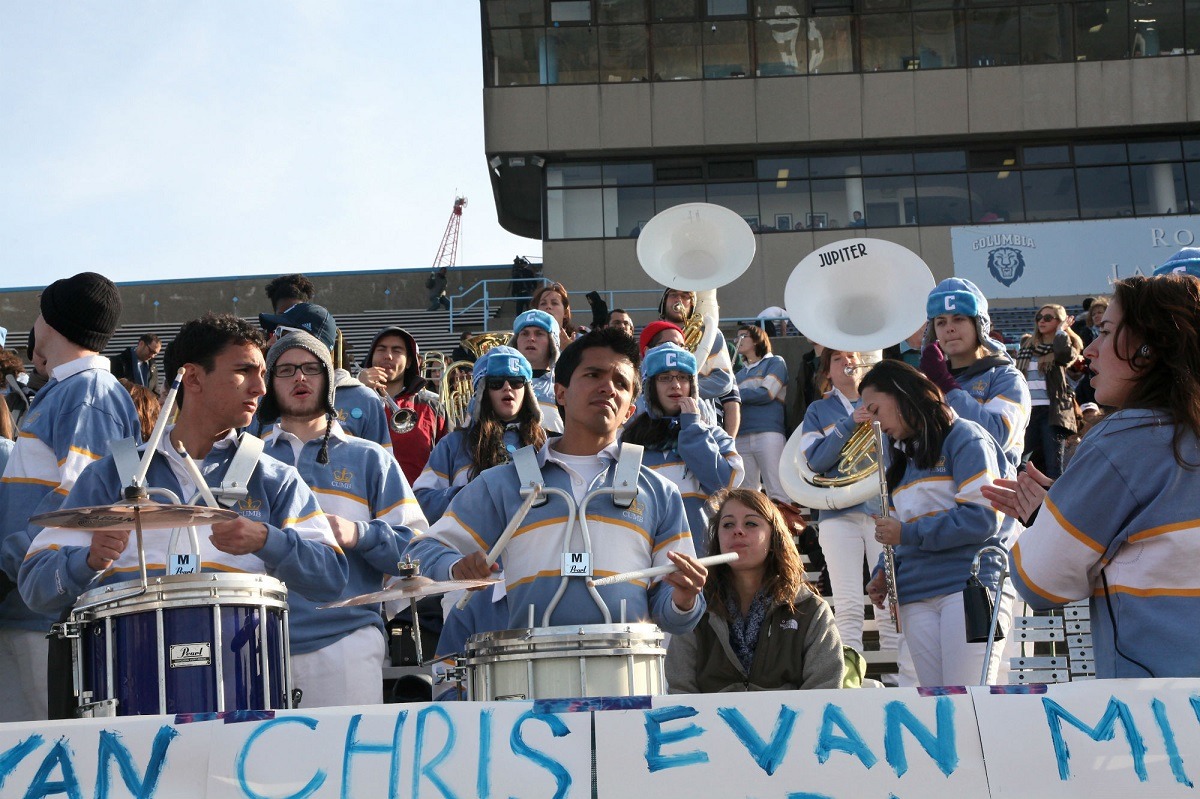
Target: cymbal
409,588
122,516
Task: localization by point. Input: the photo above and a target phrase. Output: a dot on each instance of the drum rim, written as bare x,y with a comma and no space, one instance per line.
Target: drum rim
570,632
205,589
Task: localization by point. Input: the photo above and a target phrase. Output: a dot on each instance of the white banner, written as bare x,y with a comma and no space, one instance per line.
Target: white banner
1040,260
1098,739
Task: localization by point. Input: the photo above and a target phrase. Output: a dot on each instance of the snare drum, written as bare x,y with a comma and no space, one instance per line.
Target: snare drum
566,662
191,643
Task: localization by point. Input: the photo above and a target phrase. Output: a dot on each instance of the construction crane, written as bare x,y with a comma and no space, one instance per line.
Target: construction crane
447,255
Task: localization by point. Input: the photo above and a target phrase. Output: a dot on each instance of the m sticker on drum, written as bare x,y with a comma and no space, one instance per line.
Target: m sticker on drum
577,564
185,655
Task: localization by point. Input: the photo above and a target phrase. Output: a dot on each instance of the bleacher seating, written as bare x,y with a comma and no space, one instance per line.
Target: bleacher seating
430,328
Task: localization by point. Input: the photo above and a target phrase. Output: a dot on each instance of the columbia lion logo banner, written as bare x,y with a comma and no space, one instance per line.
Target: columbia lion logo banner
1006,264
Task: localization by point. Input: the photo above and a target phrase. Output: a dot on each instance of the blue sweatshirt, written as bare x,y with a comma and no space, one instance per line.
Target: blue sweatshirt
448,470
703,461
763,386
68,427
1126,510
623,539
945,519
992,393
543,389
362,483
828,424
300,549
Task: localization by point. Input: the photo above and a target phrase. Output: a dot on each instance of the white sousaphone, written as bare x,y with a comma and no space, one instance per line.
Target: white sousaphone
854,295
698,247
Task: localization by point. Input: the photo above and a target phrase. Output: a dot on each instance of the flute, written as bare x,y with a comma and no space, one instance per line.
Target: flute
659,571
889,552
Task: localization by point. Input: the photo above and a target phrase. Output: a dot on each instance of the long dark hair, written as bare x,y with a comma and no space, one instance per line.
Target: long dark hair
654,432
784,569
923,409
485,438
1162,316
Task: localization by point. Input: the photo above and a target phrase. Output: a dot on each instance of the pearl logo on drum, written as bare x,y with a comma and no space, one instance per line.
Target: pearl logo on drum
185,655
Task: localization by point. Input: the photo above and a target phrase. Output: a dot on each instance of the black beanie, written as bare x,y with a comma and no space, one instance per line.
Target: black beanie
84,308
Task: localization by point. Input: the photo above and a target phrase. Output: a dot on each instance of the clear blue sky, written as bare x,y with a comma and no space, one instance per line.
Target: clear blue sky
195,138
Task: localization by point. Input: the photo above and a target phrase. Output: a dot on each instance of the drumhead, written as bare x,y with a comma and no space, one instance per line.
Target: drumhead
184,590
550,641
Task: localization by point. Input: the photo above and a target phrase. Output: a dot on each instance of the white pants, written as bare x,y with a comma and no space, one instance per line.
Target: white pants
935,630
347,672
22,675
845,541
760,454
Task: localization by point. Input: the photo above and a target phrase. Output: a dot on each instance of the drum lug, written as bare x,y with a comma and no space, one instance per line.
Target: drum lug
456,673
105,708
65,629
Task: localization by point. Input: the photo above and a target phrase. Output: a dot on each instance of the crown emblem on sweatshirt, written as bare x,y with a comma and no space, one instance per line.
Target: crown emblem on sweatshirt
250,503
343,475
340,415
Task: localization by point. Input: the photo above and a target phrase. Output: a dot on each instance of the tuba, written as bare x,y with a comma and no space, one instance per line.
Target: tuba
855,295
697,247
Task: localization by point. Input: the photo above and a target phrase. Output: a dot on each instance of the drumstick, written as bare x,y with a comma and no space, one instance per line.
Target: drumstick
197,476
506,536
659,571
159,427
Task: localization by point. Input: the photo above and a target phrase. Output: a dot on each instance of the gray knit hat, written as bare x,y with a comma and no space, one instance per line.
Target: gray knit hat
268,407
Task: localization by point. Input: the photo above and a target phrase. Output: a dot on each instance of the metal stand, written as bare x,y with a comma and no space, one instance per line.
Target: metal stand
991,640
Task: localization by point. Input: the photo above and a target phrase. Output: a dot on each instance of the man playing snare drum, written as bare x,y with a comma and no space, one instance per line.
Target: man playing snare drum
596,383
280,531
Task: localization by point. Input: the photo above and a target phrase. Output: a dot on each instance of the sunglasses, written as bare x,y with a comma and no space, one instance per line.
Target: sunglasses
312,369
1046,318
497,383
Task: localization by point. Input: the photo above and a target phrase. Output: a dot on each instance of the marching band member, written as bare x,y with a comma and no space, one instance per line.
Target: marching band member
846,534
939,463
597,381
1120,525
536,335
717,385
765,628
762,385
393,366
280,530
358,409
67,427
337,653
505,417
971,368
700,459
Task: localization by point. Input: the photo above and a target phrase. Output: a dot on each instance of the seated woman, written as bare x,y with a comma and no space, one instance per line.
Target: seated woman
504,418
697,457
765,628
939,463
1120,525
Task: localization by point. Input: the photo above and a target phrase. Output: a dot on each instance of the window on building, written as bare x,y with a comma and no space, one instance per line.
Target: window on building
940,161
996,196
1157,27
624,53
1158,189
669,196
785,202
887,43
941,200
627,210
571,55
621,11
517,56
1104,191
574,213
831,45
674,9
1101,30
726,49
1046,34
884,201
516,13
739,197
1049,194
566,11
993,36
781,46
676,48
940,38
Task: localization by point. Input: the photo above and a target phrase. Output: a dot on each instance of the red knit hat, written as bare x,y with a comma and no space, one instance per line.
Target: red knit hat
653,329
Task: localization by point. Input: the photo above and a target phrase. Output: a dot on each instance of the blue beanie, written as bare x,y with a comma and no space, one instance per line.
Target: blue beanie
1184,262
956,295
500,362
667,358
543,321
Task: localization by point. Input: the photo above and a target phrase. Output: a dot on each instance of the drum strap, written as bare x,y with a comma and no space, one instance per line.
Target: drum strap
528,472
625,481
237,477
